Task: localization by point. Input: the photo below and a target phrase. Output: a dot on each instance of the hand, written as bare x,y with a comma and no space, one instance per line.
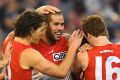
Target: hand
71,38
7,53
47,9
76,39
85,47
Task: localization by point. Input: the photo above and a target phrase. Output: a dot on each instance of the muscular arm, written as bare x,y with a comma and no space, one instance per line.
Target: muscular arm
32,58
82,59
80,64
38,62
77,71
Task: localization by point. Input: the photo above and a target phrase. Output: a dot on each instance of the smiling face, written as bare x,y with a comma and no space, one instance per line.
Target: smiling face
56,27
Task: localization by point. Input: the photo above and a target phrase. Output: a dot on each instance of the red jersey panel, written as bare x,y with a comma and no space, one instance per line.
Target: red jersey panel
13,70
103,63
18,73
54,53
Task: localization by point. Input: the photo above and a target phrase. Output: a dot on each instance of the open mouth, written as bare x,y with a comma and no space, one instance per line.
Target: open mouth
58,34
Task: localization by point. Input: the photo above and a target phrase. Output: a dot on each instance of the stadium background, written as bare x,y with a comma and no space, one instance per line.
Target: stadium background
73,11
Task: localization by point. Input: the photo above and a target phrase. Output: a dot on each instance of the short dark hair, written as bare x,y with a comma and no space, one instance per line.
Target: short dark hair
27,21
50,14
94,25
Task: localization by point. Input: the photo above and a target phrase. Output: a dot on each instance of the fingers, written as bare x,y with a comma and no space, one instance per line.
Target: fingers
71,38
73,34
53,9
85,47
77,33
81,35
47,9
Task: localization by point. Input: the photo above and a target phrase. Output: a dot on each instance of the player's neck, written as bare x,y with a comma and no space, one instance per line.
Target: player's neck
45,39
22,40
101,41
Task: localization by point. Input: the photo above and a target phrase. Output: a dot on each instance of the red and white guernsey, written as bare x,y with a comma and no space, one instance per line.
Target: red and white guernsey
103,63
7,70
54,53
13,70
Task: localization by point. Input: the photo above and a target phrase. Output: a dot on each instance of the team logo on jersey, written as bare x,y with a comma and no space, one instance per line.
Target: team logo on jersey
59,56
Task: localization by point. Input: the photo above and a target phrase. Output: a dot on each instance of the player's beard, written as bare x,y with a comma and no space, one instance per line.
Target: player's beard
50,36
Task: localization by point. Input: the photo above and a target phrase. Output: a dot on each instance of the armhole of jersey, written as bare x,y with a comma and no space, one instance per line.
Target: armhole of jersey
19,59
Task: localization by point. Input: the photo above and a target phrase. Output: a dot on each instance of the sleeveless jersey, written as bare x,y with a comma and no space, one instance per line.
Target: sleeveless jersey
13,70
103,63
54,53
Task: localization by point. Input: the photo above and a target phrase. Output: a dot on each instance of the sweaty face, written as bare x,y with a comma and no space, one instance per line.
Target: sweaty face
36,35
56,27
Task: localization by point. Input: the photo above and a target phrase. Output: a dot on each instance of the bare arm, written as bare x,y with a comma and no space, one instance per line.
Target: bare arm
38,62
82,59
77,71
44,66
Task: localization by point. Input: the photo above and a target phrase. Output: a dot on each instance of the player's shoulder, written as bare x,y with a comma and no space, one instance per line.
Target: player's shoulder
82,54
30,54
117,46
118,43
114,45
30,51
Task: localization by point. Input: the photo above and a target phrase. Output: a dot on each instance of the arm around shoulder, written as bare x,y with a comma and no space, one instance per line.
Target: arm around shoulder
31,58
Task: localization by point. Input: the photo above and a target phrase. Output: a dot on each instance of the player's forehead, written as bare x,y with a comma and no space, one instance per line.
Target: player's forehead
57,18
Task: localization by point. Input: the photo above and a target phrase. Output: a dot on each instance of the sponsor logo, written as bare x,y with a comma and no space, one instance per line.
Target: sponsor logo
59,56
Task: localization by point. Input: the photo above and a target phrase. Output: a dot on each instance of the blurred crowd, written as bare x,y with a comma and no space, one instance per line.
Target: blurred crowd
73,11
